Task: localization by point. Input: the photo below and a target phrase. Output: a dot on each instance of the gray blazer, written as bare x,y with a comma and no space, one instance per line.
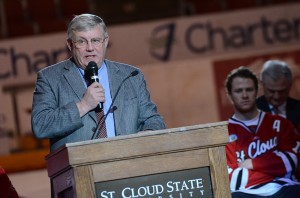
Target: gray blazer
59,87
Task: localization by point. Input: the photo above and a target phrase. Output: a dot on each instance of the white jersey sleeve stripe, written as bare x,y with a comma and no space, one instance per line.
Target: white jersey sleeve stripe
289,160
239,179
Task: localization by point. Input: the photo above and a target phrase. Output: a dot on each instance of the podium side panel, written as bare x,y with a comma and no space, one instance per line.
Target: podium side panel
84,182
62,182
219,172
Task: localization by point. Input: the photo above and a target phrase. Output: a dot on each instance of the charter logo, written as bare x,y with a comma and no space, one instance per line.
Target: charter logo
213,36
161,41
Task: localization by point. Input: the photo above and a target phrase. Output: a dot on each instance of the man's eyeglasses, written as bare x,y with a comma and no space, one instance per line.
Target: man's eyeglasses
80,43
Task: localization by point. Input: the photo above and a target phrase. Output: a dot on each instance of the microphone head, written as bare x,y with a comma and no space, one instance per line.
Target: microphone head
91,72
92,68
134,73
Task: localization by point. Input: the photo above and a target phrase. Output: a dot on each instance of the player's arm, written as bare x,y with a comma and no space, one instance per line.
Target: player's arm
283,158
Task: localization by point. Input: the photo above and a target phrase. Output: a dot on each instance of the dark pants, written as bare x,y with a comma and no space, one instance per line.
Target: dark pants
285,192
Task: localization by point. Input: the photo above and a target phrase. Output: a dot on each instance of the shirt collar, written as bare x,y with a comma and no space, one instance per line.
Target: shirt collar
281,109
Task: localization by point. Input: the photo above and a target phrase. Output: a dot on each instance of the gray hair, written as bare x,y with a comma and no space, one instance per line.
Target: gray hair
85,22
276,69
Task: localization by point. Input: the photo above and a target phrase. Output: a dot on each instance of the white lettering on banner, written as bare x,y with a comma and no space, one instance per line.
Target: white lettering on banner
257,148
202,192
158,189
180,186
105,194
240,156
142,191
296,149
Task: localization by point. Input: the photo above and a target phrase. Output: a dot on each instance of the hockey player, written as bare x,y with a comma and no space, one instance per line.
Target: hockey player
260,154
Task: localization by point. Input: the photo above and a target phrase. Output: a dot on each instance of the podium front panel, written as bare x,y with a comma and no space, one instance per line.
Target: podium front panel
185,183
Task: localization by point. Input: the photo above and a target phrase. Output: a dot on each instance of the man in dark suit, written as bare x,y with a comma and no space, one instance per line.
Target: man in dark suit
64,104
276,78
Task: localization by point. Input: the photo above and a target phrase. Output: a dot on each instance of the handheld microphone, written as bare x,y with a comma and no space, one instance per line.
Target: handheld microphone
112,108
91,75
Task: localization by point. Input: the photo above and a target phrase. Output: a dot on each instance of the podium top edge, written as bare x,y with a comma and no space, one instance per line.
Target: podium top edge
148,133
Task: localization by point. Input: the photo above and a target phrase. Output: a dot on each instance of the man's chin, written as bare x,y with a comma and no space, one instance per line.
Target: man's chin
246,109
276,104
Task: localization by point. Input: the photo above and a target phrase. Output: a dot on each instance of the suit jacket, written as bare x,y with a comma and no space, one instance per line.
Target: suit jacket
59,87
292,108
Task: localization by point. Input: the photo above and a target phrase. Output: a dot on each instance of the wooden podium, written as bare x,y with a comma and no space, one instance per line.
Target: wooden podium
179,162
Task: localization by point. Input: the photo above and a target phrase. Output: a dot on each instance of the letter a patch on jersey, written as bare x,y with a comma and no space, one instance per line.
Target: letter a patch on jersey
276,125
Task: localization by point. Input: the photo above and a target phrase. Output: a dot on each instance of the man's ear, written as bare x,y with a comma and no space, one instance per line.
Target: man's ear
106,41
229,97
69,44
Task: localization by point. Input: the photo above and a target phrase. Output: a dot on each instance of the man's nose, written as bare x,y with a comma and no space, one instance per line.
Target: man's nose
244,93
90,46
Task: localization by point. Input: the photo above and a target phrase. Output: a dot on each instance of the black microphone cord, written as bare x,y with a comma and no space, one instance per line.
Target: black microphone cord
112,108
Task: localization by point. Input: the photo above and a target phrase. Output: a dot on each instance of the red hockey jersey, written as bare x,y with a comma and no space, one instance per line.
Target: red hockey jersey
270,146
6,188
